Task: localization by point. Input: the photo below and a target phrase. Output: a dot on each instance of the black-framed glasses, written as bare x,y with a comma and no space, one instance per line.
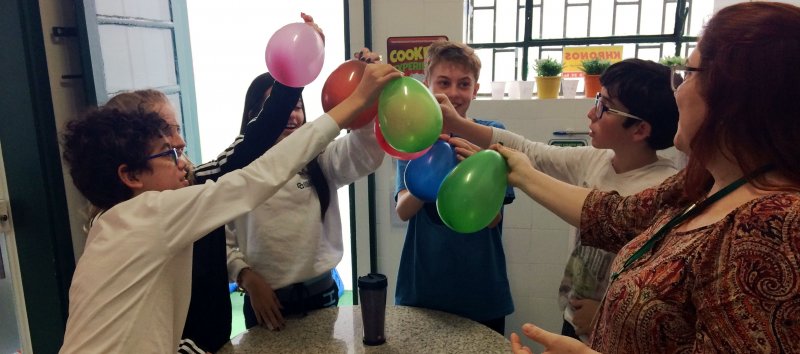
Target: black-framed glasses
600,108
679,74
171,152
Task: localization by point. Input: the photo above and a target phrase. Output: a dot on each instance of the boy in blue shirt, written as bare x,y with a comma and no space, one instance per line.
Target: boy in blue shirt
441,269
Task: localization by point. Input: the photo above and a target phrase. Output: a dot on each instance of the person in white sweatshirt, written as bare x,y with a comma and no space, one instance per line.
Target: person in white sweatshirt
130,292
633,117
282,253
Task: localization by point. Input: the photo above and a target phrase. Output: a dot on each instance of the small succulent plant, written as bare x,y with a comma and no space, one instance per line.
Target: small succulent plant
547,67
672,61
594,66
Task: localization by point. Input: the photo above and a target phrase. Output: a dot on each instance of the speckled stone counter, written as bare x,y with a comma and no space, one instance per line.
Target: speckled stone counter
338,330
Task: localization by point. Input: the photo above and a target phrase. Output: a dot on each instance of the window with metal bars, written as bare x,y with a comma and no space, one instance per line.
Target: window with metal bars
509,35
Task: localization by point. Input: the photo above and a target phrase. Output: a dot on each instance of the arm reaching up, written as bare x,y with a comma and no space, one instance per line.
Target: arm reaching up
375,77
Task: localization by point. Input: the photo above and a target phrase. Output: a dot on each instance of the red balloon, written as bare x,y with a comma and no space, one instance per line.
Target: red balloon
391,151
340,84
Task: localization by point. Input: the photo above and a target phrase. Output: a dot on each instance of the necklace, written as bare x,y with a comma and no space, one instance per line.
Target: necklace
686,213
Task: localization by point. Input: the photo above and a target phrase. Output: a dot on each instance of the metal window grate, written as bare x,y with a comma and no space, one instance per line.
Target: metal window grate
649,29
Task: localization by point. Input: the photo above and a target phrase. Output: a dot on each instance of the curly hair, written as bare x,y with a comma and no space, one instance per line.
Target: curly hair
452,52
97,144
643,86
145,100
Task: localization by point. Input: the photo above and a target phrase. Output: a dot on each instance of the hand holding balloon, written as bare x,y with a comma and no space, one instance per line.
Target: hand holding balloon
519,165
449,113
473,193
410,117
367,56
463,148
340,84
424,175
375,77
310,21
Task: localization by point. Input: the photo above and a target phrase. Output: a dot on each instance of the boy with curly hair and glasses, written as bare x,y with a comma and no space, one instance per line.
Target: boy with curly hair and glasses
130,290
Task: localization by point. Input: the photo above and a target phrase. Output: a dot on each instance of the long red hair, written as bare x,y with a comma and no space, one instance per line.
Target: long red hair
750,56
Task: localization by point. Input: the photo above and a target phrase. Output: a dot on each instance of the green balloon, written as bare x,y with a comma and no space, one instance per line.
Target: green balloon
410,117
473,193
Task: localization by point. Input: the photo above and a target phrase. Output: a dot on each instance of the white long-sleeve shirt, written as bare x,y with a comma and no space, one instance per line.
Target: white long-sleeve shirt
284,239
131,287
587,167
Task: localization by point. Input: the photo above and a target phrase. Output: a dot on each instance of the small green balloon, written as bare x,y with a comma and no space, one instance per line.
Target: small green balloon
472,194
410,117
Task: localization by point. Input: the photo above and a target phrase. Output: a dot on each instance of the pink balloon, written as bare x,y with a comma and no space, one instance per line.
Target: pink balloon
295,55
391,151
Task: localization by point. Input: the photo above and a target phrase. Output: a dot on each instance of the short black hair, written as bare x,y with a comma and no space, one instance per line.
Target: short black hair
644,87
105,138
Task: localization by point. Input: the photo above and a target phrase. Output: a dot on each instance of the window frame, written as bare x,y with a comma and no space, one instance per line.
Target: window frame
677,36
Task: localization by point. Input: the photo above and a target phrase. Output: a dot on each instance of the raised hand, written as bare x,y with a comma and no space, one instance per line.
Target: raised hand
375,77
367,56
310,21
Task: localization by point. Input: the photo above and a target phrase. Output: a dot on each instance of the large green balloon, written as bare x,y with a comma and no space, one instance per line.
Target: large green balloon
409,115
473,193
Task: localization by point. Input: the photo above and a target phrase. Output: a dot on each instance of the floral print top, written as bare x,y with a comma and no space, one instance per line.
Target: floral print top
729,287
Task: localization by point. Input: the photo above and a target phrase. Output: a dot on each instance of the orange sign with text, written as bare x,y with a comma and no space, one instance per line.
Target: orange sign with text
573,56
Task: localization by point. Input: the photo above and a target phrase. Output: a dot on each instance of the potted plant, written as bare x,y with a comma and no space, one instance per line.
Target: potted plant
548,79
672,61
592,69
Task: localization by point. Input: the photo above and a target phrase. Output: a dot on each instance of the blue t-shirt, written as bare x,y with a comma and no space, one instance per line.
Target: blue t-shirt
440,269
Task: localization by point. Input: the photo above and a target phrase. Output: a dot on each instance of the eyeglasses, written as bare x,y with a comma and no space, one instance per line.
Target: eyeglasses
680,73
600,108
172,152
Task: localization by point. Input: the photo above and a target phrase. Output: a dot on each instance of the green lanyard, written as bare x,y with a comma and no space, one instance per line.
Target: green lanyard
690,211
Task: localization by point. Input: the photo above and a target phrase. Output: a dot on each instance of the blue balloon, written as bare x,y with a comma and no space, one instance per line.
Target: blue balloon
424,175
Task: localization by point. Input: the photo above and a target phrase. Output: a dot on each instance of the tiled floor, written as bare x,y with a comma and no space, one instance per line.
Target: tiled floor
238,319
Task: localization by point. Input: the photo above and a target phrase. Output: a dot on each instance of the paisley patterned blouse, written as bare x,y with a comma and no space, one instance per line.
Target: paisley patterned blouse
729,287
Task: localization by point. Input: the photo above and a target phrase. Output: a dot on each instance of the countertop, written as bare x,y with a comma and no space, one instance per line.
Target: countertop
339,330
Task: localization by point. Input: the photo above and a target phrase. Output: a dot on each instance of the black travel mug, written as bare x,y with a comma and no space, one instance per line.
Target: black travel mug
372,293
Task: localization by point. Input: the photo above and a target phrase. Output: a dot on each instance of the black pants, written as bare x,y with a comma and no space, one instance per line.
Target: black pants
299,306
497,324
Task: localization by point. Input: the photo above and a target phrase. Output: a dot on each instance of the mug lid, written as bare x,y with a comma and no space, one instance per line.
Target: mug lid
372,281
